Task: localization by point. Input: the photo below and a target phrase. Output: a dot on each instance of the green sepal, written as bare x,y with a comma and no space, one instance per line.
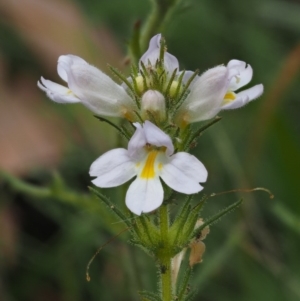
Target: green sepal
181,219
135,242
184,136
147,234
121,129
197,232
181,97
181,291
111,206
124,79
190,296
162,50
189,226
176,96
188,83
149,296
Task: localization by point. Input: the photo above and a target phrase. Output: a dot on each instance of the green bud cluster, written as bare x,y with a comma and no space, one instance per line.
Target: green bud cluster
156,78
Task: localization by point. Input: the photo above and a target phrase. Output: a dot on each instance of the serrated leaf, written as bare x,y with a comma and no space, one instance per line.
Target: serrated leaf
215,218
111,206
186,221
190,296
149,296
192,139
181,216
122,130
181,289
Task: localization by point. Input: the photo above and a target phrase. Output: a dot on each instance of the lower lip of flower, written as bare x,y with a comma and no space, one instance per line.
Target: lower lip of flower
148,171
229,97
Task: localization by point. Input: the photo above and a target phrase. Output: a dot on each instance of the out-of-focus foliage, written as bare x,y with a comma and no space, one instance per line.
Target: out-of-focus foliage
47,240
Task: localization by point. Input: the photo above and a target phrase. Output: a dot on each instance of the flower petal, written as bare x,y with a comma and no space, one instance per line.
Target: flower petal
157,137
113,168
152,55
95,89
56,92
136,143
183,173
245,97
206,96
236,64
144,195
67,60
244,76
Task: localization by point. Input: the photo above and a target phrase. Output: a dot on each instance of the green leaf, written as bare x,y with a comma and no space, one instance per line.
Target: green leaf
182,289
187,220
149,296
181,97
192,139
122,130
147,234
111,206
190,296
215,218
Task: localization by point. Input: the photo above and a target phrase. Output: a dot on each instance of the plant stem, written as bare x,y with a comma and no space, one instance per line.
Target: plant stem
165,255
160,10
166,280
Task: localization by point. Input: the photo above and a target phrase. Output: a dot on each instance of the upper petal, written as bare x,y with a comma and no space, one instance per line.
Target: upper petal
137,142
236,64
244,74
155,136
152,55
113,168
95,89
56,92
144,195
67,60
183,173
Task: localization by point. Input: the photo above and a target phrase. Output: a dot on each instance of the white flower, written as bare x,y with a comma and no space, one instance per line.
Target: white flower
149,157
213,91
152,55
90,86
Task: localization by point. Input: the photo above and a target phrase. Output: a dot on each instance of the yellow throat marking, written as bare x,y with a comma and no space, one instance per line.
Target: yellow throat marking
229,97
148,171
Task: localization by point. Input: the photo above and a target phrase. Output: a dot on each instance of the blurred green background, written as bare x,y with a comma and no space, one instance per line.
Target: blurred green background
50,230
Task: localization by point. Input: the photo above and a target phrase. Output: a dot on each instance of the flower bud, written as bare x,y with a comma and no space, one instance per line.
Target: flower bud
173,88
153,102
140,83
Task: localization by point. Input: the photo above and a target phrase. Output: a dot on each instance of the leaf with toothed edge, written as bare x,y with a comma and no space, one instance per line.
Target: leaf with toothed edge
149,296
112,206
215,218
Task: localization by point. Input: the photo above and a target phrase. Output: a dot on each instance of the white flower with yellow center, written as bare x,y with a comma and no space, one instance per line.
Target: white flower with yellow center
150,156
89,86
215,90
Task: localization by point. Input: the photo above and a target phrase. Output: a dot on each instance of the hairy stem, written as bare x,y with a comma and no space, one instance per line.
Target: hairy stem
165,255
